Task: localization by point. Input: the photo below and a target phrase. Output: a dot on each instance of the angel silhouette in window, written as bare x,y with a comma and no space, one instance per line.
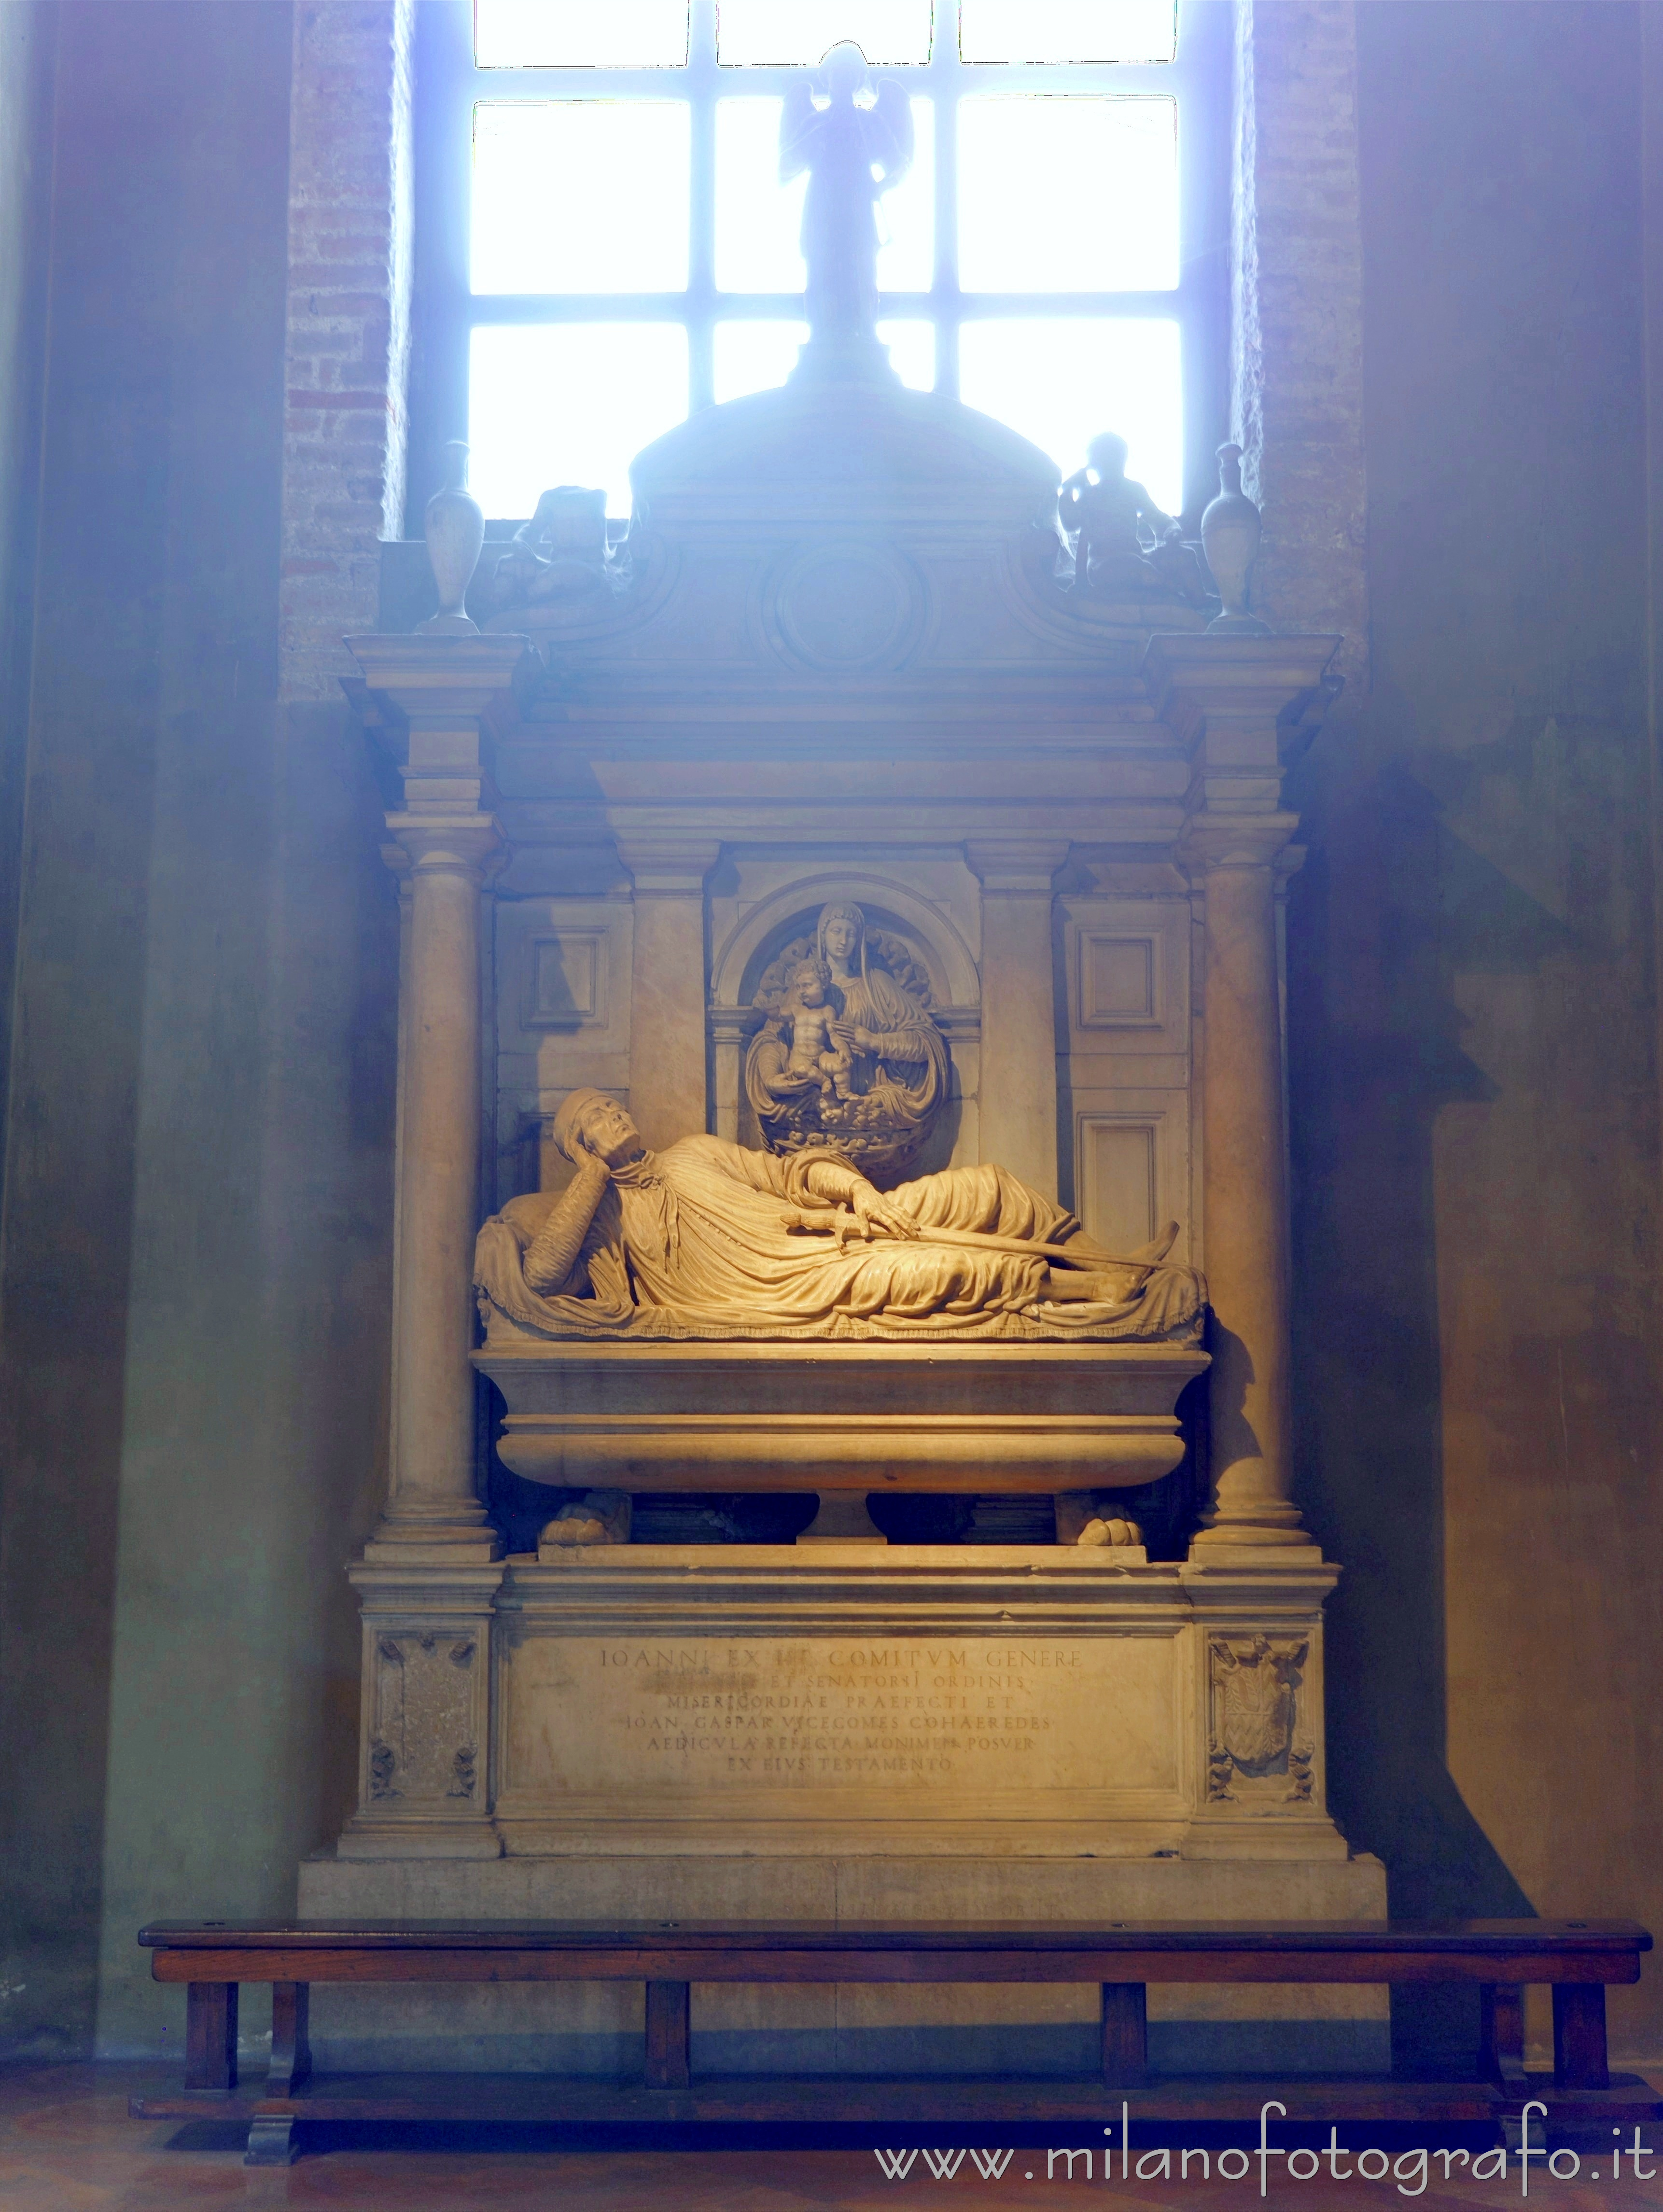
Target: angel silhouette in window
854,154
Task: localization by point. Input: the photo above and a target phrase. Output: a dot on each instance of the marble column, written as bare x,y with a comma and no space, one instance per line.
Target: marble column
668,1091
1016,1099
1245,1206
1224,695
444,841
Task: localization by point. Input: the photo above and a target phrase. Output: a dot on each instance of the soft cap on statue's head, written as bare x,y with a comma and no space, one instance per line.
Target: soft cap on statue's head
843,70
577,1113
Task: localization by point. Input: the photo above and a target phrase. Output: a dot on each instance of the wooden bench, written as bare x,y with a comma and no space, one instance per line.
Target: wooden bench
1577,1957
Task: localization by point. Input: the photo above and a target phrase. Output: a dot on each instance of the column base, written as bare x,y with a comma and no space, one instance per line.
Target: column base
1248,1548
448,1533
1256,1536
469,1548
1264,1523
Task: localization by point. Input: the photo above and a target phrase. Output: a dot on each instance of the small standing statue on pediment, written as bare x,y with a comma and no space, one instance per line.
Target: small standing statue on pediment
1123,543
854,154
849,1054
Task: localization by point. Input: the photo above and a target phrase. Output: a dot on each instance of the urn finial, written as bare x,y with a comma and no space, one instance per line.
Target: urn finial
456,532
1229,537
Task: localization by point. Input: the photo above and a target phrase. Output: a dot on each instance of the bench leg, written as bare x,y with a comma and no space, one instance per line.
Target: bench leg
270,2140
1501,2032
291,2053
1579,2036
211,2037
667,2007
1125,2034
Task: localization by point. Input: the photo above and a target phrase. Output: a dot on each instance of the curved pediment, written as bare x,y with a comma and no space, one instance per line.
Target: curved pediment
877,453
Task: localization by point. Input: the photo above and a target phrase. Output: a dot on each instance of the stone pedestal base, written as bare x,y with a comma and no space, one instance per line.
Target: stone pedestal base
847,1731
839,1700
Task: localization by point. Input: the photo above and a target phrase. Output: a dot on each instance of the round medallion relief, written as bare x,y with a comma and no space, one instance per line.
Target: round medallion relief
848,606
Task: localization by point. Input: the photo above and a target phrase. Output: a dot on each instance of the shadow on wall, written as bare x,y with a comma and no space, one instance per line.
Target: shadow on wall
1390,905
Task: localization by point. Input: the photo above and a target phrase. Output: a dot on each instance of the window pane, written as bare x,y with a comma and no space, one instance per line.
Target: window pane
797,32
571,404
1059,381
1068,30
759,221
907,216
912,352
1067,194
578,33
754,356
618,166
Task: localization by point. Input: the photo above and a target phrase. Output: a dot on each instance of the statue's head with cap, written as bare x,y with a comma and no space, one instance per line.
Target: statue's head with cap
590,1124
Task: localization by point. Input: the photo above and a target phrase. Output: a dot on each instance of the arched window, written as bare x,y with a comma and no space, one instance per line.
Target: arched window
604,244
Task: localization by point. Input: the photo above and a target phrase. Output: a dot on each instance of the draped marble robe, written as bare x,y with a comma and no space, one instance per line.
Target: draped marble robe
693,1242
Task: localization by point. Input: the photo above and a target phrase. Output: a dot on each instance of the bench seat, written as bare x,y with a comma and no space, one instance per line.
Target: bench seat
1577,1959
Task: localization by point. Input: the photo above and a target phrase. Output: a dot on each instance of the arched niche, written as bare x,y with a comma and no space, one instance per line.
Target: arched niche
793,910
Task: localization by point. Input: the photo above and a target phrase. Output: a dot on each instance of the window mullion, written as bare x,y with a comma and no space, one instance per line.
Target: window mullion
700,309
946,76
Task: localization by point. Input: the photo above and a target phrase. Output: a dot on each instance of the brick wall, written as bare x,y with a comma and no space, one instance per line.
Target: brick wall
347,341
1297,350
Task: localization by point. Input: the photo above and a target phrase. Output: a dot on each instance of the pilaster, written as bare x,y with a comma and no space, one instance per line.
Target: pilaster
424,1778
1018,1094
668,1093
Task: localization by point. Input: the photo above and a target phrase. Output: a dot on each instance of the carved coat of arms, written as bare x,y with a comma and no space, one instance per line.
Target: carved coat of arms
1253,1697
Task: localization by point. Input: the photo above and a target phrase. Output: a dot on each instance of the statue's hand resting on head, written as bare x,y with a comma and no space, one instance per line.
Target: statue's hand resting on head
604,1139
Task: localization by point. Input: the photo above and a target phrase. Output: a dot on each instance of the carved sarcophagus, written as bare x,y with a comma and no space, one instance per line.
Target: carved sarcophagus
862,1417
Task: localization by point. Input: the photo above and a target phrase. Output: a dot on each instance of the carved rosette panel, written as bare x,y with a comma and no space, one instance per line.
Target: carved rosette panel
1258,1746
845,606
422,1749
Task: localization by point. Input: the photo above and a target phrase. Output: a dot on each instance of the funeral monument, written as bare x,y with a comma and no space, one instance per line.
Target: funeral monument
842,1068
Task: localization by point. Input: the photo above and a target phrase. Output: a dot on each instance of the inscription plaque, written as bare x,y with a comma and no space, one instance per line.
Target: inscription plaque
894,1726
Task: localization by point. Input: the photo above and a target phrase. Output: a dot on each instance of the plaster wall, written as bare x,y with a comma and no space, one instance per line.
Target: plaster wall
1472,1002
199,1186
26,54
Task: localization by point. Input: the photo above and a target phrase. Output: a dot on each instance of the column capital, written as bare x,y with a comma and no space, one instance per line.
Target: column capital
471,845
1015,866
732,1025
441,690
1208,841
439,675
1224,698
1192,675
669,867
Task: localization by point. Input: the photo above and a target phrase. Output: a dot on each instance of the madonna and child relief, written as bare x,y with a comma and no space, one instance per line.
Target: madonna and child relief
849,1055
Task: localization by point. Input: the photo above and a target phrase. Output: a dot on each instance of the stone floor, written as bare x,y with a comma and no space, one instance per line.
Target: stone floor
67,2145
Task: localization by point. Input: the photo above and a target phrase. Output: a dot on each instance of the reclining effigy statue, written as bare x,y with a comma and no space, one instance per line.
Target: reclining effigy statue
707,1240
